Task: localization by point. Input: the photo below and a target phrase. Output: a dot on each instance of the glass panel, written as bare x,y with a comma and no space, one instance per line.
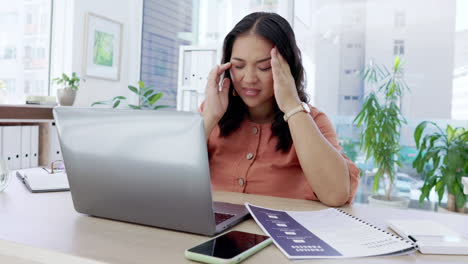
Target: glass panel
340,35
24,49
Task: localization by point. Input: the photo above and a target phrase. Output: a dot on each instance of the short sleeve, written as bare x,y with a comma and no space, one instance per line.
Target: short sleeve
326,128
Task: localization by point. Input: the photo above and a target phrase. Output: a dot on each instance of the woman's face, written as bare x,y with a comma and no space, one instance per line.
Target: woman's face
251,70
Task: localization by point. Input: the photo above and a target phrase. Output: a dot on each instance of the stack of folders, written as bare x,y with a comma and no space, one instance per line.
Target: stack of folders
40,180
19,146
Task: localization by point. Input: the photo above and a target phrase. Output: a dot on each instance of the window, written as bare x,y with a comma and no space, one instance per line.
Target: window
336,43
7,53
41,53
10,85
27,52
25,48
27,86
351,71
400,20
398,47
438,91
8,18
29,19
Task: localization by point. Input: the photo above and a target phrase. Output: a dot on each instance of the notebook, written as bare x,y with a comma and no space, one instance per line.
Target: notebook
431,237
329,233
39,180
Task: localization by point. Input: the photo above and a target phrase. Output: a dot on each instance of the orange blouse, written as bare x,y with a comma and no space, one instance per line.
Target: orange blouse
246,161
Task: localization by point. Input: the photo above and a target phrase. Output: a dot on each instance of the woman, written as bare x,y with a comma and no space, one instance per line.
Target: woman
262,138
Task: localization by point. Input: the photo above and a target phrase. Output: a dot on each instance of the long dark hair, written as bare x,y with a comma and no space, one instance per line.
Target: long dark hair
276,29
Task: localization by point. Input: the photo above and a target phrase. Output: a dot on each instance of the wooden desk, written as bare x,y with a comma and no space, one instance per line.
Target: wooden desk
49,221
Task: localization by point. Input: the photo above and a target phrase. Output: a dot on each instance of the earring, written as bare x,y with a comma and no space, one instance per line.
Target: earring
234,92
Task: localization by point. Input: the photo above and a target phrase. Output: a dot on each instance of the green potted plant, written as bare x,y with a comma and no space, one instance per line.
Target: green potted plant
67,94
381,120
443,161
147,98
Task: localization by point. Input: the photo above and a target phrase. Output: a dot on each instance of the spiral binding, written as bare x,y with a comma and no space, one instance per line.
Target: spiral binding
375,227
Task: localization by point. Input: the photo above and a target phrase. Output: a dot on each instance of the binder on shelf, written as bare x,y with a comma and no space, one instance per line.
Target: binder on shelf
55,152
195,63
25,147
187,57
207,62
200,61
193,70
11,143
34,159
56,144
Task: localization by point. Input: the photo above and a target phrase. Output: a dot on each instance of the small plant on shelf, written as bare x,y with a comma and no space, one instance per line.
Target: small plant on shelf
66,95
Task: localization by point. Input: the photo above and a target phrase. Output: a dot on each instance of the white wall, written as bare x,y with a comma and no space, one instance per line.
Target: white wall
130,14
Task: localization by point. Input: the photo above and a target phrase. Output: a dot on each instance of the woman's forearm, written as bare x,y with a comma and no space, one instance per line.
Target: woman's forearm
324,167
209,124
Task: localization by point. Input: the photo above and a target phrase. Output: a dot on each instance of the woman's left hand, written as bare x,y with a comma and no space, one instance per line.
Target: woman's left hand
283,83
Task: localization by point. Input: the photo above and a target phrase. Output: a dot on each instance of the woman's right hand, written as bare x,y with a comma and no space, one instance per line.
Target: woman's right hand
216,100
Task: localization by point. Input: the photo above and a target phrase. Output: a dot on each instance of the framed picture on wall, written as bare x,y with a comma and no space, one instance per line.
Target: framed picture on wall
102,47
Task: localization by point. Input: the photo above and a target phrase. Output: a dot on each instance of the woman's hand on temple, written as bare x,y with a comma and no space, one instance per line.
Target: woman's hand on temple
283,83
217,97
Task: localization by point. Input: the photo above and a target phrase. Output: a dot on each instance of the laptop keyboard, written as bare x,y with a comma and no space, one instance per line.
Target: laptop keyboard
221,217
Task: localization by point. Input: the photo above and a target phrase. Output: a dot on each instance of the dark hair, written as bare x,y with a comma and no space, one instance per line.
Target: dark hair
277,30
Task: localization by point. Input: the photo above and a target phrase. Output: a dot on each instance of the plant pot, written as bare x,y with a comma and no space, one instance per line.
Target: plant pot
66,96
394,202
451,204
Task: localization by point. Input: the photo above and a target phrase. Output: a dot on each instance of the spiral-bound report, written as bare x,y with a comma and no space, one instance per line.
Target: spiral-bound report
329,233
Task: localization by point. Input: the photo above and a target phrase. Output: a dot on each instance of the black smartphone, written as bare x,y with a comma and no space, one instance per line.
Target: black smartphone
230,247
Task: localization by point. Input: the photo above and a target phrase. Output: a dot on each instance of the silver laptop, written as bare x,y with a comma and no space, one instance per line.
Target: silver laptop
145,167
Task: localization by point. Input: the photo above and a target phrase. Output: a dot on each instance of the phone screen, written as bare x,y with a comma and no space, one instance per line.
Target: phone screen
229,245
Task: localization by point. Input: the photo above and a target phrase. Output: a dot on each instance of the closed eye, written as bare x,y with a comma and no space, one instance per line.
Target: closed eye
238,67
265,69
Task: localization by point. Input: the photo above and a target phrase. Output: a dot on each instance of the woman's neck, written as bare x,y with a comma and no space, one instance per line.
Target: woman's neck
262,113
